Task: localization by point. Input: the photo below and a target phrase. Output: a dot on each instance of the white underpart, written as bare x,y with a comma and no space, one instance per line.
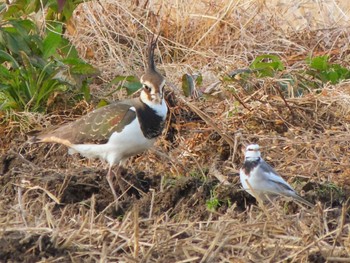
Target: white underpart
128,142
251,181
244,181
256,181
264,182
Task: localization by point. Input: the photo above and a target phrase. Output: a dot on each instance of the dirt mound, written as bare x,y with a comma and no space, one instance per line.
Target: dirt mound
18,246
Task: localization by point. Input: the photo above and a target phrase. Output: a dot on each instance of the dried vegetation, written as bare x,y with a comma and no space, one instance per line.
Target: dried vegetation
57,208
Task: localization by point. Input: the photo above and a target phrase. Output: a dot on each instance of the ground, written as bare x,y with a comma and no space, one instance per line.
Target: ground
59,207
182,200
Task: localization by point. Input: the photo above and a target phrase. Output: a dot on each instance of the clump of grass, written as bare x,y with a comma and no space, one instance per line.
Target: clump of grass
37,62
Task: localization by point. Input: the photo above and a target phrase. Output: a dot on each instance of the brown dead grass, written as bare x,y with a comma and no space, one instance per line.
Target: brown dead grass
307,139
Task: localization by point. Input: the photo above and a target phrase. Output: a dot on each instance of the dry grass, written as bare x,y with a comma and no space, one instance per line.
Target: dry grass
307,139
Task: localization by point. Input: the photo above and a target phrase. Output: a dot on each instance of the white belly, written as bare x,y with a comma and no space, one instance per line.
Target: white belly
128,142
244,181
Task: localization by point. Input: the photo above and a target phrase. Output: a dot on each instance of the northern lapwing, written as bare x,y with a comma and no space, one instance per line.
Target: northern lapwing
260,180
119,130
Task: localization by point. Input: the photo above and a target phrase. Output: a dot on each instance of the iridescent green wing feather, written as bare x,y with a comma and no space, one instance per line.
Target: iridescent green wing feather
97,126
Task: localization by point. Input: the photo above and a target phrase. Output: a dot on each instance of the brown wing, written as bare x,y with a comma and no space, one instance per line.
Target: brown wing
95,127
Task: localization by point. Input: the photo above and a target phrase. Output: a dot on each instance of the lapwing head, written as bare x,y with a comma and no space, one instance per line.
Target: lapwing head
252,152
152,81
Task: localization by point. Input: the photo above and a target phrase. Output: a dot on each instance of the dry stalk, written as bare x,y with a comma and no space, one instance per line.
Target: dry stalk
209,121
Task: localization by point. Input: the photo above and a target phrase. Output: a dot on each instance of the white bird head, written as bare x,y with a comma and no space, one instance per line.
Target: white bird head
252,151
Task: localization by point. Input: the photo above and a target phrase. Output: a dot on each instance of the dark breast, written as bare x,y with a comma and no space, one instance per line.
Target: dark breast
248,166
151,124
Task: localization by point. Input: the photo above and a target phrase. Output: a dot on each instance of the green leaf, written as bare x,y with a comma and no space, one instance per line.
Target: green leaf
333,77
130,83
267,60
13,41
319,63
31,6
119,78
343,73
266,65
84,69
78,66
132,87
5,74
86,91
67,50
199,80
327,72
68,9
102,103
4,56
24,27
187,85
14,10
52,41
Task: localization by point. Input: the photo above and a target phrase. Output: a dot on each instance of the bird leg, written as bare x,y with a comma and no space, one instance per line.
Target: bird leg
119,178
110,182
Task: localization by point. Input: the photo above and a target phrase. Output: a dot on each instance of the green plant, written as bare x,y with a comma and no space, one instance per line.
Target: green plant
323,70
267,65
289,84
200,174
262,66
330,188
130,83
35,63
57,10
189,84
213,203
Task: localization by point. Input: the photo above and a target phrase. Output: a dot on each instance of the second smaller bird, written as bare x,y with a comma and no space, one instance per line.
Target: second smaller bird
260,180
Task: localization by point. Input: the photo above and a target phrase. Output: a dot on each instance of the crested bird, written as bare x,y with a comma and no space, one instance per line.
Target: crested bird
260,180
119,130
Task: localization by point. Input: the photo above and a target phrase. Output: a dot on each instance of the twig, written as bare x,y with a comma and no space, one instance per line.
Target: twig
20,204
32,165
136,231
285,102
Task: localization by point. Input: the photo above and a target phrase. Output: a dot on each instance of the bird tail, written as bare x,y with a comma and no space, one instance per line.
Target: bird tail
298,198
34,137
291,194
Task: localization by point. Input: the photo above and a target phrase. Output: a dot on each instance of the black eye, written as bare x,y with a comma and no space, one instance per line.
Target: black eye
146,87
